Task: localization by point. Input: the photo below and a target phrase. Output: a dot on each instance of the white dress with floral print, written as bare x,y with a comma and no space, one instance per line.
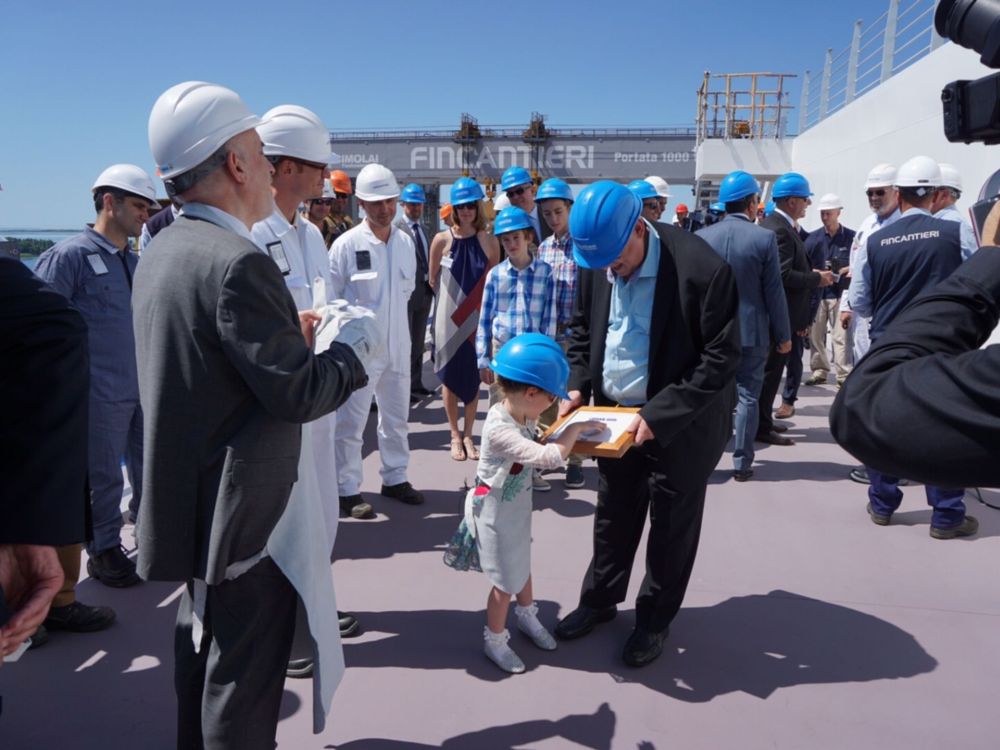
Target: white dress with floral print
503,516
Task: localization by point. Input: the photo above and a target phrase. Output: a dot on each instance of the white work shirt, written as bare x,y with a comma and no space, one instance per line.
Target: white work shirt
380,276
300,253
871,224
968,237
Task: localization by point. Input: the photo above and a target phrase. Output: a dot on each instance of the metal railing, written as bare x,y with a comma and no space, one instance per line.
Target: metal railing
892,42
511,131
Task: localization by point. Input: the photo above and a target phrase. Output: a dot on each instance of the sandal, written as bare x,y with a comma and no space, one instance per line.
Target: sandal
470,449
457,449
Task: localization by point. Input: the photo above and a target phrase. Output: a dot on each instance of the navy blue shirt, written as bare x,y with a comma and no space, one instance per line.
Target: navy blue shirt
834,249
907,257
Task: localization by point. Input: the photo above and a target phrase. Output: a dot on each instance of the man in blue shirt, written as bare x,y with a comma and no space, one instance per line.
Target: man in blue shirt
656,328
94,271
829,247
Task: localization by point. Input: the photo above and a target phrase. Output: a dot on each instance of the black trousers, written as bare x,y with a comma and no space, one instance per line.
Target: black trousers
418,309
773,371
670,485
229,692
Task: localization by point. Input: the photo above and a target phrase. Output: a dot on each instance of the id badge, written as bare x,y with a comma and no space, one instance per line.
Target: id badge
447,261
363,260
97,263
277,253
318,292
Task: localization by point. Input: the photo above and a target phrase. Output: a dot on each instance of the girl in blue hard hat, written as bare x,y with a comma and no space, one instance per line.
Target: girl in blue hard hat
495,535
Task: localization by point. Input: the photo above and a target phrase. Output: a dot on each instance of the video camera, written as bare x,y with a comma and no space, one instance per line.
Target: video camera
972,108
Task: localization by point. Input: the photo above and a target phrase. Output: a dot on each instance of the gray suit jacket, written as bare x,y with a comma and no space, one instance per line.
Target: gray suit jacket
225,380
753,254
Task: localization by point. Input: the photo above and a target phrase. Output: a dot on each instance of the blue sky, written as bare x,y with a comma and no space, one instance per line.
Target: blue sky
77,80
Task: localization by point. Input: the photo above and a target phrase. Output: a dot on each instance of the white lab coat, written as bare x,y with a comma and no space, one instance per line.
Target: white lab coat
380,276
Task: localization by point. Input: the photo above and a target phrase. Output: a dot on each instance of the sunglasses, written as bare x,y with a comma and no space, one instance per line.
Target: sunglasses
467,206
880,192
514,192
322,201
304,162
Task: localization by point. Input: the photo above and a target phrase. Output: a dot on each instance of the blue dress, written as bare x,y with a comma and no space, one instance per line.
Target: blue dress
456,316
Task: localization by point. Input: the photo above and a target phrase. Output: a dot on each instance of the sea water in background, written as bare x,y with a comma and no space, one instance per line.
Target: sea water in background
53,235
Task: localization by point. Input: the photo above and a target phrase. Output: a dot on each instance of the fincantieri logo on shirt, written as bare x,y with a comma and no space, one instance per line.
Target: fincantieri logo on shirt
911,237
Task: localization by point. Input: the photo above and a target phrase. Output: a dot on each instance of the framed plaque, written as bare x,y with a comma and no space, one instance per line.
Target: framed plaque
611,442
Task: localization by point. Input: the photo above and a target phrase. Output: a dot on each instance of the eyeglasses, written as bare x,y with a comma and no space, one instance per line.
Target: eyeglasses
304,162
322,201
651,204
880,192
514,192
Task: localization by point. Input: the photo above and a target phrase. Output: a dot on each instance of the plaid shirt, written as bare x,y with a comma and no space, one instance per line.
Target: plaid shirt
515,302
558,253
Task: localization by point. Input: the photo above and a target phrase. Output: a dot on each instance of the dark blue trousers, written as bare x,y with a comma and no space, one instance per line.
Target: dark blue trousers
885,497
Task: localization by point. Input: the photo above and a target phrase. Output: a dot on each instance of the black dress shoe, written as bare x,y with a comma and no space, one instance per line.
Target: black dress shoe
78,617
403,492
742,475
113,568
582,620
779,428
349,625
773,438
643,647
299,668
422,392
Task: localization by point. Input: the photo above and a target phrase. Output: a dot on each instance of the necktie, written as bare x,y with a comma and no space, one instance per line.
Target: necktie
123,256
421,252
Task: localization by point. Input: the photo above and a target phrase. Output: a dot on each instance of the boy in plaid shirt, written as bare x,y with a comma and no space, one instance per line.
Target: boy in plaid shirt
520,297
555,199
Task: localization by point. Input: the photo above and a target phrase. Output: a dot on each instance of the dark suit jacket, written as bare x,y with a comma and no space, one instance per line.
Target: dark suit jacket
796,275
44,386
694,343
925,402
225,381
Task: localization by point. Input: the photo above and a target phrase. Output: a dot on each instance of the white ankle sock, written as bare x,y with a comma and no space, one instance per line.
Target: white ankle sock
496,648
527,623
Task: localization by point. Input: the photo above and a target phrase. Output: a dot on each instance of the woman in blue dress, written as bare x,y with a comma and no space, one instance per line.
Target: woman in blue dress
459,259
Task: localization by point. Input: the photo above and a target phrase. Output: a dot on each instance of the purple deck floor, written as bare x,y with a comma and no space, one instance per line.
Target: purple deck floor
805,626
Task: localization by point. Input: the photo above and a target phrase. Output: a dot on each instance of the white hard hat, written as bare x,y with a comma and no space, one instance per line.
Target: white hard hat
950,177
662,188
130,178
376,183
829,202
190,121
501,202
290,130
328,191
919,172
882,175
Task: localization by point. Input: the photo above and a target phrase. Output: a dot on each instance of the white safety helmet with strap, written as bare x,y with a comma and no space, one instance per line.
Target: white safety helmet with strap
376,183
501,202
660,185
920,174
190,122
950,177
829,202
882,175
130,178
294,131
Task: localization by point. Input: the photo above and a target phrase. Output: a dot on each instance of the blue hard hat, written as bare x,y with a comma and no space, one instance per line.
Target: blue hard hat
719,207
737,185
791,185
513,177
769,208
643,189
534,359
413,193
554,188
466,190
511,219
601,222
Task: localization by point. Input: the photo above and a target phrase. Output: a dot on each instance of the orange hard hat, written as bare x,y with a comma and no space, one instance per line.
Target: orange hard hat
761,206
341,182
445,211
682,208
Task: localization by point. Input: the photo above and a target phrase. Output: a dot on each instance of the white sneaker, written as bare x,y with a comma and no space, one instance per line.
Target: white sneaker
498,652
527,623
538,484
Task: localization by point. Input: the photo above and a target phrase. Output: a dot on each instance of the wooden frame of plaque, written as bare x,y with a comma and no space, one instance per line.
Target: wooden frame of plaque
612,449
